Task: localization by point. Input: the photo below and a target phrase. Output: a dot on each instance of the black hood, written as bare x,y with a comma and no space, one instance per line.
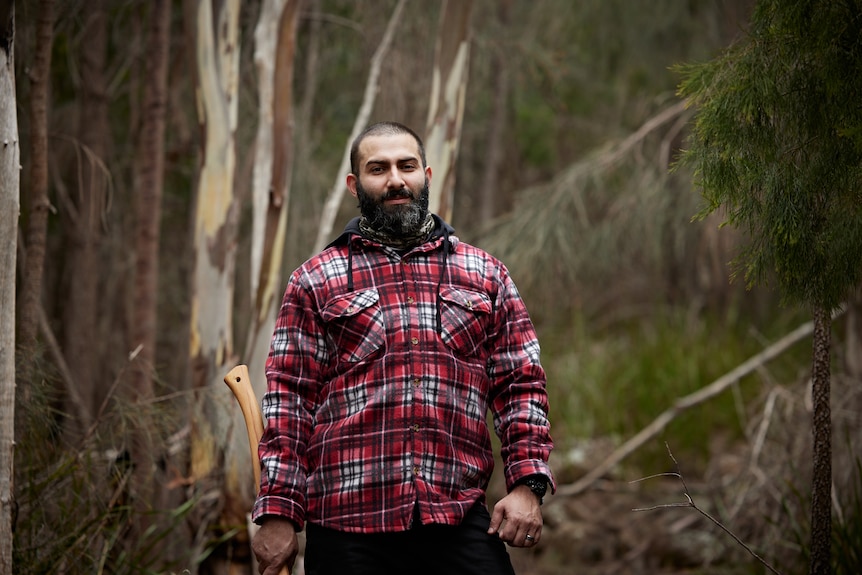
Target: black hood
441,229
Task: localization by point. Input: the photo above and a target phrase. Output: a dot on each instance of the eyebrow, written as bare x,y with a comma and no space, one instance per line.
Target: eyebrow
402,160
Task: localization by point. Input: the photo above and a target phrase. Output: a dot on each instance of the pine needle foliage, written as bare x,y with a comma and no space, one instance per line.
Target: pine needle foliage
777,143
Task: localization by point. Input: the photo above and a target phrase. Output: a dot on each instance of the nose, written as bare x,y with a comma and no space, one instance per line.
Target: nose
396,179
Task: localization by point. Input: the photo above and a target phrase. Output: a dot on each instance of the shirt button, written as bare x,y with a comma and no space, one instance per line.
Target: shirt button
409,299
416,470
469,305
417,382
414,340
415,427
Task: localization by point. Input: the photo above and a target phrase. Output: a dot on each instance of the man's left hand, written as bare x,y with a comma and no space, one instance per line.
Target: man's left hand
520,516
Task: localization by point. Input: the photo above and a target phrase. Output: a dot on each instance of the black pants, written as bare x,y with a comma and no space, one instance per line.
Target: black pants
466,549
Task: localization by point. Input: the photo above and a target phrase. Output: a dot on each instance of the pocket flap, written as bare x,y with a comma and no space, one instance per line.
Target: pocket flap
474,301
350,304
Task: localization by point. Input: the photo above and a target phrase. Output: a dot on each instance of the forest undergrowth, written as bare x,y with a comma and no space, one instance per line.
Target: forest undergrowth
745,455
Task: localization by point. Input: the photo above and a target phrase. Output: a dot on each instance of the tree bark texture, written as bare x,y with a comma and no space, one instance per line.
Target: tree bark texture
448,94
211,347
38,204
9,207
148,183
821,494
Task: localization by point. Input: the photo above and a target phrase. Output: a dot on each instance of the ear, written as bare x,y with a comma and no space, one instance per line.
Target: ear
351,184
428,174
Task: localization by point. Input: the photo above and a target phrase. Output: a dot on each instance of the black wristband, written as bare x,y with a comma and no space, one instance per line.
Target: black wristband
538,484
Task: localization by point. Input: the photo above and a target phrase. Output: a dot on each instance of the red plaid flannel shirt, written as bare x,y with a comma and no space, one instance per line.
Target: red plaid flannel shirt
371,412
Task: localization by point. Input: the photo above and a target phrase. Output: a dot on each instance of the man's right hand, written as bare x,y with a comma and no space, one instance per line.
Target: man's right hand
275,545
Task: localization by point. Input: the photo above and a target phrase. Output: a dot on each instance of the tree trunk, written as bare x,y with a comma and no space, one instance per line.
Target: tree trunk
38,204
304,216
148,183
821,494
448,94
275,46
9,207
489,192
211,346
83,217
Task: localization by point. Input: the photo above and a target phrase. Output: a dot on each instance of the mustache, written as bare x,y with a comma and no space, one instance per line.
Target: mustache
397,194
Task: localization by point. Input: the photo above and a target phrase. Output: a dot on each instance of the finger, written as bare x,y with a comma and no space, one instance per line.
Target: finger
526,535
496,520
533,538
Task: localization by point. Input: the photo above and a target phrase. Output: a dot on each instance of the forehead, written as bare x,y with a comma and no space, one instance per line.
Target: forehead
388,148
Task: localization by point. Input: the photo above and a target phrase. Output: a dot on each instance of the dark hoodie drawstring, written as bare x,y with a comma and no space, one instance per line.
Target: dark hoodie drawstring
349,264
352,230
446,248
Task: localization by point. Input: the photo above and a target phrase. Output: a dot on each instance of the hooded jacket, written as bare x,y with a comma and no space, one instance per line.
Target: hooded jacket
382,370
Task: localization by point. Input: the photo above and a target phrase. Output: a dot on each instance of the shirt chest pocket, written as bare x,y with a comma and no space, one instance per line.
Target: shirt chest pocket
354,324
464,318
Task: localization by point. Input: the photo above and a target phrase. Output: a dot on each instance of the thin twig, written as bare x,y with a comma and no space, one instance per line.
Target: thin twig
690,503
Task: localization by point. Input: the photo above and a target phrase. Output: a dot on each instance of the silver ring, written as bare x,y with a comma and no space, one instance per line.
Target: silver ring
529,537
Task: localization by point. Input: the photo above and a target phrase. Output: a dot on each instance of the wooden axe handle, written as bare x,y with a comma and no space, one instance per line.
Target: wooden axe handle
239,383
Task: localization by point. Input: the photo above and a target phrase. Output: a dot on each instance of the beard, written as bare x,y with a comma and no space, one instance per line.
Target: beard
398,220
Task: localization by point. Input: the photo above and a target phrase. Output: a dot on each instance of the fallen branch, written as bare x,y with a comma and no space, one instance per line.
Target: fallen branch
687,402
689,502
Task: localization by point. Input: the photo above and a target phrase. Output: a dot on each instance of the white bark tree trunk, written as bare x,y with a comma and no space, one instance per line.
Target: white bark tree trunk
448,94
275,49
211,347
9,208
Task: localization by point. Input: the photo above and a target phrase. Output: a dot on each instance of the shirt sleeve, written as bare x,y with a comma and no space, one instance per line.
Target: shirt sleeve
519,401
294,368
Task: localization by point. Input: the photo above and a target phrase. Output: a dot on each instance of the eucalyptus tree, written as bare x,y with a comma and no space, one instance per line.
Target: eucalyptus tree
447,101
777,147
9,202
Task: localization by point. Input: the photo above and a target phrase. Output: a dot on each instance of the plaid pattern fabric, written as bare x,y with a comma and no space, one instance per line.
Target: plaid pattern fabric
370,411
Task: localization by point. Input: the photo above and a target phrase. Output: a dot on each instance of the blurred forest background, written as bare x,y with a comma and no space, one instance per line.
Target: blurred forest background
179,159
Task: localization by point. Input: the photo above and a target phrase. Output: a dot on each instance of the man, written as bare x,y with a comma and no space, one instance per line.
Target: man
390,347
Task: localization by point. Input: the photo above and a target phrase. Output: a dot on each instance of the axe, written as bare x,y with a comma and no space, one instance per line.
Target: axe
239,383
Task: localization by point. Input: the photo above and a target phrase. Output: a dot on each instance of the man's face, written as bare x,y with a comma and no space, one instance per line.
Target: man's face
392,185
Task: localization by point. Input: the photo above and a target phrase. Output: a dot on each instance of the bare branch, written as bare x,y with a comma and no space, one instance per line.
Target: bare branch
684,403
690,503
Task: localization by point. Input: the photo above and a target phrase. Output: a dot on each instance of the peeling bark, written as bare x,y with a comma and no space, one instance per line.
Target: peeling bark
273,168
216,25
446,110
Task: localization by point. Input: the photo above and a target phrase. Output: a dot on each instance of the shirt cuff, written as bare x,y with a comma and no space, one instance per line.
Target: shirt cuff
520,471
279,506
